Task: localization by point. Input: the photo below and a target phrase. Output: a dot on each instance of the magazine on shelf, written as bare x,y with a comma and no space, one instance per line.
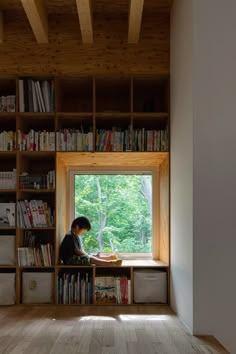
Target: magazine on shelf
7,214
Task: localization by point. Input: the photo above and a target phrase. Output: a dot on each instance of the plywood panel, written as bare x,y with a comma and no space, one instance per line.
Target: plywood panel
164,211
107,6
65,53
111,159
1,26
60,205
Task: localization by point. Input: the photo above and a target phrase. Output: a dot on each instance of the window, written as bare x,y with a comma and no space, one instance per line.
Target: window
119,206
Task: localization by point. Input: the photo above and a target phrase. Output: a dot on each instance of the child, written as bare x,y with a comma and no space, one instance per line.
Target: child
71,251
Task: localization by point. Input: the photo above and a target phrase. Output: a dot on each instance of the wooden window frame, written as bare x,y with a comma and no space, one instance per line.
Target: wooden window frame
154,172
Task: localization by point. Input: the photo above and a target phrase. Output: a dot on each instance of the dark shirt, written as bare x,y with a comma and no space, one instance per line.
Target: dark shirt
68,246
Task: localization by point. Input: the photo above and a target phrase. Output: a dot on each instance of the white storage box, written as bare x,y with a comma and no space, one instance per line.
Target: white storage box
150,286
37,287
7,289
7,250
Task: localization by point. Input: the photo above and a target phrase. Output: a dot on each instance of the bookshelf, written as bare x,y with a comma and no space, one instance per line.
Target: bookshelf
91,117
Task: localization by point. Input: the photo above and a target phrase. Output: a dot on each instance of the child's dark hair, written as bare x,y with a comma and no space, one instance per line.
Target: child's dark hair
82,222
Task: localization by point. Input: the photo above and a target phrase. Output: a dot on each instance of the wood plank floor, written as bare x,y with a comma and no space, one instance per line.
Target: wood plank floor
98,330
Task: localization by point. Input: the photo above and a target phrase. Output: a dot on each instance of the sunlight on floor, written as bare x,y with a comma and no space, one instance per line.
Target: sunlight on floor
97,318
144,317
127,318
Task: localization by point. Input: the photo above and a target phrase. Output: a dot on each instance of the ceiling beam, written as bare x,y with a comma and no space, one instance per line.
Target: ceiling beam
135,19
85,19
1,27
37,16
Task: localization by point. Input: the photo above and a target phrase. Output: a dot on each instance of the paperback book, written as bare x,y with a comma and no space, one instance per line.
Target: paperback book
7,214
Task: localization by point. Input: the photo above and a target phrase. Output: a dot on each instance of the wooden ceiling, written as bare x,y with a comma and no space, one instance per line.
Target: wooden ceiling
132,14
99,6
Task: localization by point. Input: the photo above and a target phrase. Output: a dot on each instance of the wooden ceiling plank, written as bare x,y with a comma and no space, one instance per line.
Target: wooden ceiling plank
135,19
85,19
1,27
37,16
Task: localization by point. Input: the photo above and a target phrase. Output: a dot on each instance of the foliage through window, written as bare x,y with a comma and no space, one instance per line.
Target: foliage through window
119,207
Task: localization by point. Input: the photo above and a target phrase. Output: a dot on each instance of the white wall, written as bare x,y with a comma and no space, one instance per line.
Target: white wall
214,177
213,101
181,185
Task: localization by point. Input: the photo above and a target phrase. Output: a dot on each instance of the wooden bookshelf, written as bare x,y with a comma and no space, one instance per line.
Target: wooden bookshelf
85,105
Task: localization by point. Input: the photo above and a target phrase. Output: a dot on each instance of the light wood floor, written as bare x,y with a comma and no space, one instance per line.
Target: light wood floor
113,330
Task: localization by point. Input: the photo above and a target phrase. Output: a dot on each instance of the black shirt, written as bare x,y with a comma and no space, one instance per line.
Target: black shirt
68,246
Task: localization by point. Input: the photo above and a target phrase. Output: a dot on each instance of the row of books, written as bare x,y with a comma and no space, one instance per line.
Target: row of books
34,213
36,95
8,103
66,140
8,179
35,256
150,140
74,288
112,290
74,140
46,181
139,140
7,140
113,140
36,140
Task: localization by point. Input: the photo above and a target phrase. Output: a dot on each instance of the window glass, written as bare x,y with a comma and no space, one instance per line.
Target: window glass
119,207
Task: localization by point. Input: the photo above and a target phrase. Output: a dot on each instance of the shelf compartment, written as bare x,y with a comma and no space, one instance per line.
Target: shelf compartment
74,132
36,248
36,163
150,95
74,94
7,96
8,173
36,121
36,212
8,121
150,286
81,122
113,134
112,286
37,172
150,133
113,95
7,132
39,236
36,133
36,95
7,194
33,282
150,122
75,286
